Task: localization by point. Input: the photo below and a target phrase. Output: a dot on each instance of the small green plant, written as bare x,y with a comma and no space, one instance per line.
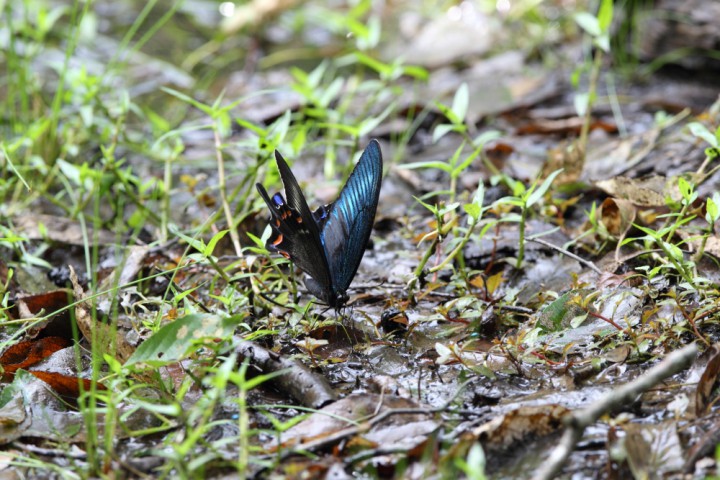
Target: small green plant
455,114
524,198
712,152
672,252
598,28
712,215
474,464
455,167
474,210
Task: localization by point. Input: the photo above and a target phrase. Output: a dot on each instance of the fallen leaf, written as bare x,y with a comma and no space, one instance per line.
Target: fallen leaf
520,425
617,216
26,354
707,387
644,192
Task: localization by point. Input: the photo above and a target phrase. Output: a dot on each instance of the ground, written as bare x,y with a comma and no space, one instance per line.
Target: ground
538,296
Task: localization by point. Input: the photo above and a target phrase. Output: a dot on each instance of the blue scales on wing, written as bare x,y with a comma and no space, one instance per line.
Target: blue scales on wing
345,226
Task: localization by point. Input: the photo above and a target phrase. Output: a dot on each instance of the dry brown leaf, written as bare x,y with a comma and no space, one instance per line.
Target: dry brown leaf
26,354
60,229
644,192
653,451
66,385
107,339
519,425
568,157
617,215
563,126
706,391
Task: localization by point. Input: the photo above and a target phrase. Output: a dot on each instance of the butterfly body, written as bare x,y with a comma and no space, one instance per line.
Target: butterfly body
328,243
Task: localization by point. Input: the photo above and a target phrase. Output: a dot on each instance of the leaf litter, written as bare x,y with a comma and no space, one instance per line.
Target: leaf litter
421,364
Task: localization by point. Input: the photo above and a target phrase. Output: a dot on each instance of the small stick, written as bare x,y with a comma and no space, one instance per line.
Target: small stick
587,263
577,422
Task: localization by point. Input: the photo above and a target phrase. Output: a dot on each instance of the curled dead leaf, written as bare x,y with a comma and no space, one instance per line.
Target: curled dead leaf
706,392
617,215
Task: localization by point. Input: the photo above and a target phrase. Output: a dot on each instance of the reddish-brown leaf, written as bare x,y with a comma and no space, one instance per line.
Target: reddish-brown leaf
47,302
65,385
26,354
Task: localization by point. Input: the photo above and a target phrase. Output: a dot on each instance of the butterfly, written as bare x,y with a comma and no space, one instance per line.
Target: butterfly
328,243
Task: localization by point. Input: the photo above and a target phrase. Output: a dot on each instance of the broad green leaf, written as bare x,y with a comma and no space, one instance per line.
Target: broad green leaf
466,163
447,111
486,137
445,354
581,102
473,210
177,339
684,187
252,127
603,42
674,251
449,208
380,67
711,207
331,92
196,243
578,320
314,78
279,129
259,242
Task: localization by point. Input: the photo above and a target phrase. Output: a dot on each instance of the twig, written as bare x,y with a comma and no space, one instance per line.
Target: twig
74,452
293,377
587,263
577,422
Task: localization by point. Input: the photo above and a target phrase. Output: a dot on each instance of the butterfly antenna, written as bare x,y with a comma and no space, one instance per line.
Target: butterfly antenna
369,285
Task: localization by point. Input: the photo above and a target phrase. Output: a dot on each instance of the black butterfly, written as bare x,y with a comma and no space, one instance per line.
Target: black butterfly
328,243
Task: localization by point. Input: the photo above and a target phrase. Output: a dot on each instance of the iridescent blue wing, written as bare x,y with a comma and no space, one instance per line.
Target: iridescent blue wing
295,233
347,223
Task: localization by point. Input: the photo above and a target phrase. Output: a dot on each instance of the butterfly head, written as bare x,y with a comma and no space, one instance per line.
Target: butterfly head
339,301
329,296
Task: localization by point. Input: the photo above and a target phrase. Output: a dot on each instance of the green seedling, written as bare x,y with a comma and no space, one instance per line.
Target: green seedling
524,198
598,28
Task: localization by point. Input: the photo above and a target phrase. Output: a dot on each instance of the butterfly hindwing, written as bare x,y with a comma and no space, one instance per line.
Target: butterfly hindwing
295,232
349,221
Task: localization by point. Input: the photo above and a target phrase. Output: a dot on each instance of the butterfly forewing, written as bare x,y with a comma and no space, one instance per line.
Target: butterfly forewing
349,221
